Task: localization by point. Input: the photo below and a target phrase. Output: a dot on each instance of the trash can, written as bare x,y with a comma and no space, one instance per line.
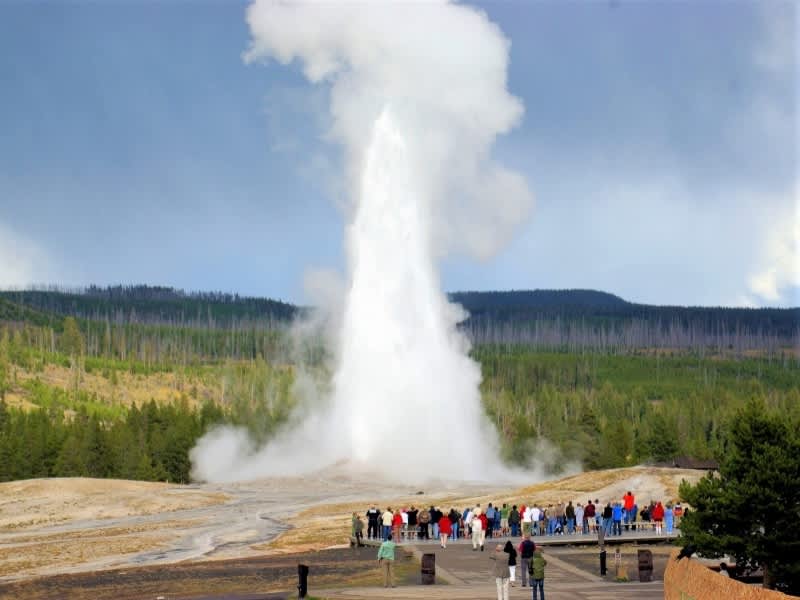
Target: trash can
428,567
645,565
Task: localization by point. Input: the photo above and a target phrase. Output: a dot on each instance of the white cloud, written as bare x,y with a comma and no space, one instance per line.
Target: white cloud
22,261
778,267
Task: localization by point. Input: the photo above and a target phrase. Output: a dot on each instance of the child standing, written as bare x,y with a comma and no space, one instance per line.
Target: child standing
536,571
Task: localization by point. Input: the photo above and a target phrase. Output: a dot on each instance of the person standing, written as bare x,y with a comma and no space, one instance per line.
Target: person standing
616,519
579,518
500,572
397,524
444,530
412,522
504,512
476,532
386,560
658,516
387,518
535,516
373,519
628,500
513,521
424,517
526,550
669,517
588,515
454,517
608,513
569,513
490,520
536,571
484,526
358,530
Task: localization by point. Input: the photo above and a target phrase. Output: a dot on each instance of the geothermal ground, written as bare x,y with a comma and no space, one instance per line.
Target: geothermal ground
69,526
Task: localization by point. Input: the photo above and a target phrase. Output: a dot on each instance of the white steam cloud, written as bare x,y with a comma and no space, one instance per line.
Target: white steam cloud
22,261
418,95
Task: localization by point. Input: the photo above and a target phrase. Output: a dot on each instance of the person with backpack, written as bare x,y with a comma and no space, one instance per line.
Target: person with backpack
513,521
536,571
526,550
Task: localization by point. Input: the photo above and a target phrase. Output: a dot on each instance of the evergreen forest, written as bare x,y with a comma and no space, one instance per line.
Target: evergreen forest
120,382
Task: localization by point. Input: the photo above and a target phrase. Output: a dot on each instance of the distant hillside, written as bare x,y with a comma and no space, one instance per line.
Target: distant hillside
154,305
551,319
479,302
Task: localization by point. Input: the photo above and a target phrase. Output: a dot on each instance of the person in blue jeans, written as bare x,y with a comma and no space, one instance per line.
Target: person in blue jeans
616,515
536,571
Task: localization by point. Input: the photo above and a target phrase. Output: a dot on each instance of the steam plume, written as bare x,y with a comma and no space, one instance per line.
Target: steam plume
417,97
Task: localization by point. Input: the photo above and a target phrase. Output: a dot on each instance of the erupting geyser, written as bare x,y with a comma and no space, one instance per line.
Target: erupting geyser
418,95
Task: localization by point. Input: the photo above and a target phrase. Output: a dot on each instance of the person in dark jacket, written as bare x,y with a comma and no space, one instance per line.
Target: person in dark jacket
526,550
512,560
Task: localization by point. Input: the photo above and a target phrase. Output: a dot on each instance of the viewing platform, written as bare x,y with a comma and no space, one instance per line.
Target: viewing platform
576,539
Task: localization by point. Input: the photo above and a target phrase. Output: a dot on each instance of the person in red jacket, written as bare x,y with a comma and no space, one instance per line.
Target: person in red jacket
484,525
627,503
658,516
397,524
444,530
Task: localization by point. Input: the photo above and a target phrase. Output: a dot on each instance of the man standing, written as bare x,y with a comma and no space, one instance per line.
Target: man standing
412,522
388,517
627,502
373,518
535,514
454,518
526,550
569,513
489,520
616,518
513,521
501,572
358,530
504,512
588,515
386,561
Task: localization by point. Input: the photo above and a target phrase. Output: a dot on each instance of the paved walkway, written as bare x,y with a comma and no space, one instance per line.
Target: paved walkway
463,574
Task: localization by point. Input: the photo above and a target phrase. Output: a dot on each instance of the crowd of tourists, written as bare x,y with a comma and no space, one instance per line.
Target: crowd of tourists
478,524
510,520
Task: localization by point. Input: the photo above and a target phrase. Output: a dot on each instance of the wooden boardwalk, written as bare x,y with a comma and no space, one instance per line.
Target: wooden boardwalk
463,574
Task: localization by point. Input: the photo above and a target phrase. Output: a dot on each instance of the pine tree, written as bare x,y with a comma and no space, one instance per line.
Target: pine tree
751,508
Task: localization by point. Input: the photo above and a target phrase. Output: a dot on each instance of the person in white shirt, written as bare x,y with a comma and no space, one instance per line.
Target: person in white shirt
477,531
579,518
526,521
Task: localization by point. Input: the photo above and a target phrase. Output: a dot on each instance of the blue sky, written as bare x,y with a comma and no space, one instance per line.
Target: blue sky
659,138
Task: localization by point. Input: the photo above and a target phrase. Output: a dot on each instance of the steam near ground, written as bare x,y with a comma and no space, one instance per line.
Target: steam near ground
417,96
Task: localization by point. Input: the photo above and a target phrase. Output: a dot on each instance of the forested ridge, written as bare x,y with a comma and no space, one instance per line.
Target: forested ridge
120,382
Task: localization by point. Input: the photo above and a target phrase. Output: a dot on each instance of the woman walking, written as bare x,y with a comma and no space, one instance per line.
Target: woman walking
512,562
500,572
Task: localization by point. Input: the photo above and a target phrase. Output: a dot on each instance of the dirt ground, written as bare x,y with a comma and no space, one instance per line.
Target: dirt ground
61,528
